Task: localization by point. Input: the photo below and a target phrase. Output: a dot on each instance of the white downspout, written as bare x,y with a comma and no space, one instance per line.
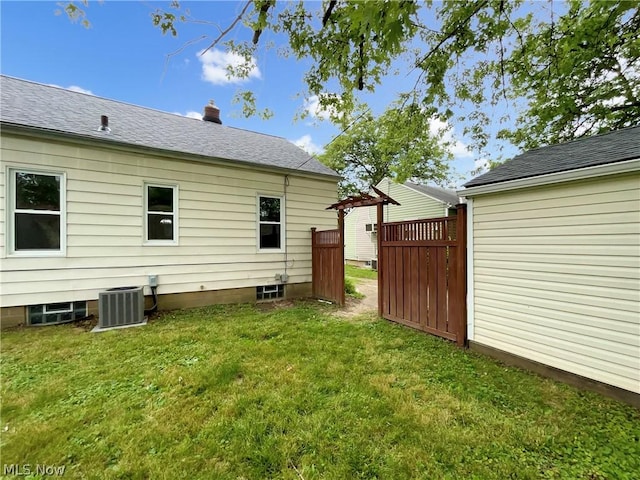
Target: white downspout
470,291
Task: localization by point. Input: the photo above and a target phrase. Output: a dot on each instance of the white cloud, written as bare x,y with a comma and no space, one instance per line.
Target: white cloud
313,107
73,88
481,165
215,63
190,114
306,143
457,148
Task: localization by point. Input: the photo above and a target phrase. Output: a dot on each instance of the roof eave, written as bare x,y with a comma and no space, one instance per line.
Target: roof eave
444,202
625,166
110,143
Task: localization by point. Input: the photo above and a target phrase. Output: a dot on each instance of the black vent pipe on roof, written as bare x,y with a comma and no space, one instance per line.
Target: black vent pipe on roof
104,124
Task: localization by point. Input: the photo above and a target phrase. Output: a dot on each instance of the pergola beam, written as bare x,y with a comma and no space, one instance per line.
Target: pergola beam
363,200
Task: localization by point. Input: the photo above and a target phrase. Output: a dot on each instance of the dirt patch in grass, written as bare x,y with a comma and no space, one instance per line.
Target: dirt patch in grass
358,306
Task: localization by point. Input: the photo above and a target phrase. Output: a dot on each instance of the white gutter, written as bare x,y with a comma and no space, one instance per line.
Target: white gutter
550,178
470,291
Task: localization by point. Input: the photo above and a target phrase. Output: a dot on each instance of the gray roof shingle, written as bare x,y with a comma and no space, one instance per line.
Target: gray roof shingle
54,109
611,147
445,196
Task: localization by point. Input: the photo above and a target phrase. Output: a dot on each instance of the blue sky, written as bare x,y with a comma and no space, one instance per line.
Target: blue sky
123,57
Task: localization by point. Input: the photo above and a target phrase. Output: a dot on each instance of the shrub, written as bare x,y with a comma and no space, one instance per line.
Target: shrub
349,287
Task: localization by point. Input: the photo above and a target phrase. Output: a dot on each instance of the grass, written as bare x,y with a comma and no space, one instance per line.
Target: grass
350,288
256,392
356,272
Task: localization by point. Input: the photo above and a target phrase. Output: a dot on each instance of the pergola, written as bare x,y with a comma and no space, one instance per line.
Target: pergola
364,200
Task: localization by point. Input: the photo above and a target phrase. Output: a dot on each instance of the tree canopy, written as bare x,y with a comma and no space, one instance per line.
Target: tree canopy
398,144
561,70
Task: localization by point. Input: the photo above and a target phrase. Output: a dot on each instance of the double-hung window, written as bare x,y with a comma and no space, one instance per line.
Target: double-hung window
161,220
36,203
270,223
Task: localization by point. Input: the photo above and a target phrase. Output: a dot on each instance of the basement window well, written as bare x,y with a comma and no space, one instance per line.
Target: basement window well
269,292
53,313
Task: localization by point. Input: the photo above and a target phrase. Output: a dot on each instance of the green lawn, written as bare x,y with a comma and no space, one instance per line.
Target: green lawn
253,392
356,272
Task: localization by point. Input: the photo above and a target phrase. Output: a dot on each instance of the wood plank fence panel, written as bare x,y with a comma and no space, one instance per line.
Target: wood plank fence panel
327,265
424,274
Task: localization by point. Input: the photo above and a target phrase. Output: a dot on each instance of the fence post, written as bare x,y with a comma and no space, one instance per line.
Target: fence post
461,234
380,213
341,260
314,267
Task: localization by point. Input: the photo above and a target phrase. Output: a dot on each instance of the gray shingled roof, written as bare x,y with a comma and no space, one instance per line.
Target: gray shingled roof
444,195
58,110
609,147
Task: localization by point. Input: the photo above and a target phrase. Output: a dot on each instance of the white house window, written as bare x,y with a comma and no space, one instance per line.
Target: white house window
160,213
37,208
270,222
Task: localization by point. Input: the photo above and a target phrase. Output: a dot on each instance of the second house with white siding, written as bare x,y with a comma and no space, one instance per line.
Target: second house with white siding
98,194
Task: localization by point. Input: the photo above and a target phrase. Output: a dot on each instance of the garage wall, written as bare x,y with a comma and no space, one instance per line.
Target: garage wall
556,274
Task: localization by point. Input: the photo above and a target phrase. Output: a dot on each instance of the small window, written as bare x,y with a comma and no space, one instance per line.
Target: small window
269,292
160,214
270,223
56,313
37,208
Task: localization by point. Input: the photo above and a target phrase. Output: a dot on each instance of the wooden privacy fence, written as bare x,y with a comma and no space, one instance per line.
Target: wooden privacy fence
422,274
327,265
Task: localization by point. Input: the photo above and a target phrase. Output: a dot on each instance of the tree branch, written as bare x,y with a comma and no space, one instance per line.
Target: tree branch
617,108
361,66
229,28
450,34
327,13
504,91
625,82
263,13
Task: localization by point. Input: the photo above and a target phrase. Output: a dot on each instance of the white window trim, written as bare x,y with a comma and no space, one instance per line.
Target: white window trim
145,212
282,224
11,208
46,308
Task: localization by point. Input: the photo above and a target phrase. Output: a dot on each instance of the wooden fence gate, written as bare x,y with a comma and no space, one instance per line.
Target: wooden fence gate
422,274
327,265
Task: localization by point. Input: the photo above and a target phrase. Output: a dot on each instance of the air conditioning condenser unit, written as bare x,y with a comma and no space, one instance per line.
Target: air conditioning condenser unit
119,307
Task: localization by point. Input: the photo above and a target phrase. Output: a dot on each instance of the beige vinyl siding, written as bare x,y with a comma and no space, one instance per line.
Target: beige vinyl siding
413,205
3,200
360,244
366,242
557,276
217,240
350,222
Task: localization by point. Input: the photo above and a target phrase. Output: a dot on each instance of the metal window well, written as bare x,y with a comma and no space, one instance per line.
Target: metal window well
121,307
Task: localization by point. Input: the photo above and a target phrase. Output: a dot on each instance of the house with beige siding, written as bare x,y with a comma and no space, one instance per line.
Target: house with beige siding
97,194
416,202
554,260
